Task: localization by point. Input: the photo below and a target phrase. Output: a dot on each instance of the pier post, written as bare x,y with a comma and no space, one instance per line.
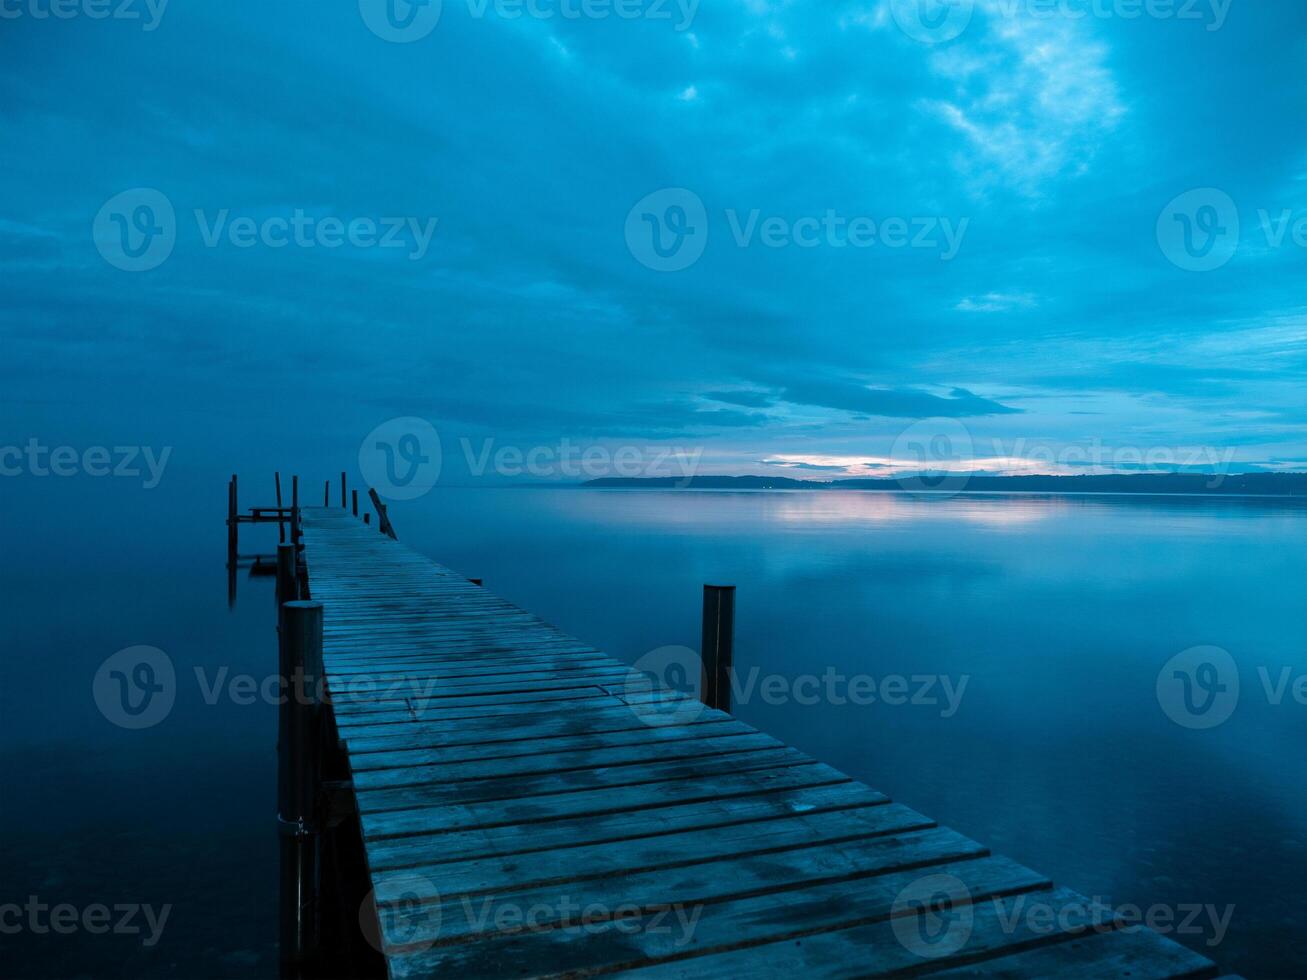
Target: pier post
281,523
326,494
295,510
287,579
299,766
718,647
232,524
233,541
383,519
354,498
343,501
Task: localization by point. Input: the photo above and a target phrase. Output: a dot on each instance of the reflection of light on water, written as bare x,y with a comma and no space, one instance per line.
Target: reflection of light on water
901,508
726,509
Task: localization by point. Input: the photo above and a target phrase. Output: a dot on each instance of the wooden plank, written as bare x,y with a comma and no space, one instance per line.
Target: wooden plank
504,771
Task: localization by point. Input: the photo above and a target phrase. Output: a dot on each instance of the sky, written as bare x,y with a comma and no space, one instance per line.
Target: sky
618,237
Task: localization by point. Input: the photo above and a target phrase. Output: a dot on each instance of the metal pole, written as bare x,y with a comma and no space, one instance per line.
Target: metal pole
299,766
718,649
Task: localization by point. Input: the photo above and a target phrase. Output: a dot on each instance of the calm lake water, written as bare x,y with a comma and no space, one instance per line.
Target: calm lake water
1044,621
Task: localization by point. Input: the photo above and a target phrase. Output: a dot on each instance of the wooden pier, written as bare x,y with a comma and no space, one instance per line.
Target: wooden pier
528,806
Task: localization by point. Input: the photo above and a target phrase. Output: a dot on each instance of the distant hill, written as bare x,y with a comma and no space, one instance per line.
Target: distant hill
1246,484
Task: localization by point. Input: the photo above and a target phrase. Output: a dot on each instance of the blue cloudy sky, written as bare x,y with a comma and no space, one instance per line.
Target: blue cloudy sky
870,232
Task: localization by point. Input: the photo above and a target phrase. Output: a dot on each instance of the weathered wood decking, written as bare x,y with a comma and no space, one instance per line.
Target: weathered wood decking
508,775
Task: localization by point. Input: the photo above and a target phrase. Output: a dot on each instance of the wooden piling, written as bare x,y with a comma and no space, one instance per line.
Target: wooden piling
354,496
299,769
232,524
281,525
383,518
287,579
326,494
718,647
295,510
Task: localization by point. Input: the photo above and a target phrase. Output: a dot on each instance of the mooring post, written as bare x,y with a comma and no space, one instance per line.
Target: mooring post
233,542
343,501
326,494
281,518
354,497
718,649
383,519
299,775
232,524
295,510
287,579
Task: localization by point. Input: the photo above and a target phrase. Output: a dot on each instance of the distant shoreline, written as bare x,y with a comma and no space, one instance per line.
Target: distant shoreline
1276,485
